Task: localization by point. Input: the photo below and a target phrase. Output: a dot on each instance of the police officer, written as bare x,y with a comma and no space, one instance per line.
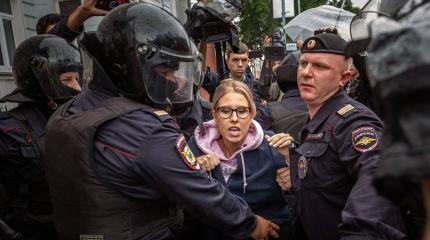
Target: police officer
290,114
287,81
47,71
398,68
124,166
190,114
338,152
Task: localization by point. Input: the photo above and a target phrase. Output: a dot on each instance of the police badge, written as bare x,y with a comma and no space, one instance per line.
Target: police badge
302,167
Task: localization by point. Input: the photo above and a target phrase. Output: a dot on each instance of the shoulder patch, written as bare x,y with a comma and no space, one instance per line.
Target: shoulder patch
186,153
365,139
346,110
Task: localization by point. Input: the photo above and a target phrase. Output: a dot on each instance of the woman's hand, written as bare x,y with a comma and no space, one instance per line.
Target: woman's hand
283,178
208,162
280,142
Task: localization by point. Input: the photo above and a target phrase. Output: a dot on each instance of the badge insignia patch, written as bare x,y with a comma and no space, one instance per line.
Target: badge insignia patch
302,167
314,136
312,44
365,139
186,153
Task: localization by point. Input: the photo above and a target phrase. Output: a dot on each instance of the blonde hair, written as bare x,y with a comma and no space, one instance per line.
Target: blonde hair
229,85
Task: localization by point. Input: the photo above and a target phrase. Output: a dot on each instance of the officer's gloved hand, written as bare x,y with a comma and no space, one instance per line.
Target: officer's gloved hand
208,162
264,229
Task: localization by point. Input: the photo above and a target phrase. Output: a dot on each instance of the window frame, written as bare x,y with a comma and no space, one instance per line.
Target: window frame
7,66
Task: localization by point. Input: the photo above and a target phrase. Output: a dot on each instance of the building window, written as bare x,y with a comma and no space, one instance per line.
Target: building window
7,40
167,4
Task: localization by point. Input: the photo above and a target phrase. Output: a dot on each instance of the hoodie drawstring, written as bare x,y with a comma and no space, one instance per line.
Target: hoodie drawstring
245,184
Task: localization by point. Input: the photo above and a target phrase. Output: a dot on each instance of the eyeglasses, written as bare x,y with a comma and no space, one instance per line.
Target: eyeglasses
226,112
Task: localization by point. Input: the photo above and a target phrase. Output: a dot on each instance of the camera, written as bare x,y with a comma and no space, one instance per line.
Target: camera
253,54
109,4
277,51
210,21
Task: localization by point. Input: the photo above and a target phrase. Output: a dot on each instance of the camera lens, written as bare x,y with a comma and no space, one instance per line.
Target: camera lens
113,4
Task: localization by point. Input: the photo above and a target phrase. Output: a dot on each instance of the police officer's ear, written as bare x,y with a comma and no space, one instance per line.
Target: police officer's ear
346,76
346,73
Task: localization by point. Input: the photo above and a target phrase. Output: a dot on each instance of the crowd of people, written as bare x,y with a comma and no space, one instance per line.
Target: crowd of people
113,140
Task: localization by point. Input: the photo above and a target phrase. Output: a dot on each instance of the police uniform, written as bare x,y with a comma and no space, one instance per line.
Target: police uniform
333,167
294,101
144,164
125,170
191,117
290,114
399,77
285,118
24,197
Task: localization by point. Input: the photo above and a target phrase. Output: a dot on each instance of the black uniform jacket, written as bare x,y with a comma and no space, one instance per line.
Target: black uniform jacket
138,155
333,168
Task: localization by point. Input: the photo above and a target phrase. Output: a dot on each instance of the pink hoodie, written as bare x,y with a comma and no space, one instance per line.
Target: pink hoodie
209,144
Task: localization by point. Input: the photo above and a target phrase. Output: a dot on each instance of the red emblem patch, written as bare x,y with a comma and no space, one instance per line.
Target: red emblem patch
186,153
365,139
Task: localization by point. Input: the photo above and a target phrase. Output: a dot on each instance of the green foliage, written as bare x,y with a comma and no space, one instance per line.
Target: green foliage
348,5
256,19
307,4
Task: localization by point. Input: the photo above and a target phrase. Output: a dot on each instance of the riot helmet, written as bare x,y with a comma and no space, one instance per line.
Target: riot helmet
359,27
398,66
146,55
46,68
286,74
227,9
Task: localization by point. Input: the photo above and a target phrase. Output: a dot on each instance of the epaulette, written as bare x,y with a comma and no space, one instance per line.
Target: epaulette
346,110
162,115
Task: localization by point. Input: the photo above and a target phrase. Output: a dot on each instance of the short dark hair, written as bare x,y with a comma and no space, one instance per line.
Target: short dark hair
46,20
243,48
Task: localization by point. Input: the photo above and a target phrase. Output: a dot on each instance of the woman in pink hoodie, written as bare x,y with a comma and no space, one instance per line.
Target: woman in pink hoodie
251,163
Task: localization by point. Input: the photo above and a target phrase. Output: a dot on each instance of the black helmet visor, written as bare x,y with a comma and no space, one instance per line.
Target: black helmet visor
58,68
169,77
